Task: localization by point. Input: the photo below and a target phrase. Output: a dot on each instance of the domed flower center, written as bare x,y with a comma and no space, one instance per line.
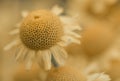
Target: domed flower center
41,30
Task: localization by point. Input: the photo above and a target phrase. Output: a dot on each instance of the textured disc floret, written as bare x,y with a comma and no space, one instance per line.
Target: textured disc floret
65,73
41,30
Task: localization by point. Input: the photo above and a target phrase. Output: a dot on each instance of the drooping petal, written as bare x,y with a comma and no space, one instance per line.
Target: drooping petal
99,77
10,45
14,32
57,10
39,58
16,51
72,27
66,19
62,52
57,56
62,43
23,55
29,59
18,55
72,33
69,39
47,59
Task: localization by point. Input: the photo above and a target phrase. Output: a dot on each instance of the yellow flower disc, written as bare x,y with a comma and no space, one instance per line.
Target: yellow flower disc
41,30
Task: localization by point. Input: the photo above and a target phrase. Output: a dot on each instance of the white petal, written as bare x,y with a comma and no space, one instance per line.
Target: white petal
66,40
62,52
76,27
56,54
16,31
29,59
44,59
19,53
39,58
62,43
91,68
70,23
16,51
10,45
69,39
47,59
57,10
99,77
66,19
75,40
73,34
24,54
72,27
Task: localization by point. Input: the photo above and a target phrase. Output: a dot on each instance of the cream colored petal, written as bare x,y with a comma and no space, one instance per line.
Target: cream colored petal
29,59
99,77
16,51
55,55
62,43
44,59
57,10
24,54
62,52
39,58
65,39
19,53
66,19
59,60
16,31
47,59
69,39
92,67
10,45
74,40
72,33
24,14
76,27
70,23
72,27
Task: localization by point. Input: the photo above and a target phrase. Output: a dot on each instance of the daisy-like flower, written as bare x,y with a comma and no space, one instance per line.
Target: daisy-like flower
41,37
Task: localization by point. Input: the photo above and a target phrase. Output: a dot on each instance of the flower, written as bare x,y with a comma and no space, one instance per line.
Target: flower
65,73
41,37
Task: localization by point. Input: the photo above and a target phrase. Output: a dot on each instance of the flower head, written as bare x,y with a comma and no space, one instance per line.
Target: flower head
65,73
41,30
41,37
